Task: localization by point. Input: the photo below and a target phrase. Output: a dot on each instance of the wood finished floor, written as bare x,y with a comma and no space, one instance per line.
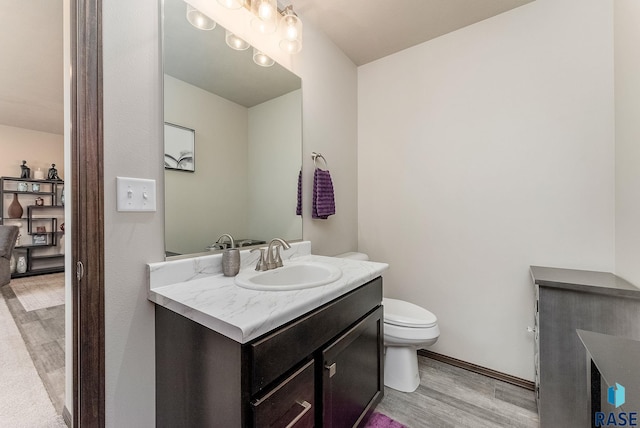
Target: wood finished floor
43,333
449,396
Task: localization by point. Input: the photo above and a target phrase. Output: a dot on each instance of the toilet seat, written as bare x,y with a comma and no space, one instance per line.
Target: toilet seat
395,335
405,314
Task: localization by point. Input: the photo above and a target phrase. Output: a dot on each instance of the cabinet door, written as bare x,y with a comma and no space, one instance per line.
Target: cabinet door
352,381
308,334
290,404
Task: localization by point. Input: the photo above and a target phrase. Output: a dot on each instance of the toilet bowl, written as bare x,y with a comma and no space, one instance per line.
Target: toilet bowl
407,328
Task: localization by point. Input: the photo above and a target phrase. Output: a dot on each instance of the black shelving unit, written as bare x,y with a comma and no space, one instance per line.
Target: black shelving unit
39,247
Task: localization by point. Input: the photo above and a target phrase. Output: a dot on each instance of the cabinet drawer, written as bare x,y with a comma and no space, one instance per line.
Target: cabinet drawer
290,404
296,341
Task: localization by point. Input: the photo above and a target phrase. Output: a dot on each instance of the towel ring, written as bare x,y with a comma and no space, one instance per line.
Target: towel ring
315,157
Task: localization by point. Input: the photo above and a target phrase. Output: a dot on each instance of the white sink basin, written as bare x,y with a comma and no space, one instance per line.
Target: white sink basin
292,276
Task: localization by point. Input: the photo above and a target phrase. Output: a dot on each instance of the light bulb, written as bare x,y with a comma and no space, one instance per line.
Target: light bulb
232,4
235,42
264,16
265,11
290,32
199,19
261,59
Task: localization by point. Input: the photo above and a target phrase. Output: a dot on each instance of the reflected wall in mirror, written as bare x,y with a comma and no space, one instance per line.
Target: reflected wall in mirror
248,139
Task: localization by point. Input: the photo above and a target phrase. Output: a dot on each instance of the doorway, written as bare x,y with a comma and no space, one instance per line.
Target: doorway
84,183
32,133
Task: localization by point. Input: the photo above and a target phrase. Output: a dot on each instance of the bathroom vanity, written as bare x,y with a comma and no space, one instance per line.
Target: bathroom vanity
233,357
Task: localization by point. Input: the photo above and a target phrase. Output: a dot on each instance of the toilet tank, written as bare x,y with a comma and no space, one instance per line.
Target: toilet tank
353,255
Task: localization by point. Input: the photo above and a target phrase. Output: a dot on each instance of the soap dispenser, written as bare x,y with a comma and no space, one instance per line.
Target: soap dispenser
230,258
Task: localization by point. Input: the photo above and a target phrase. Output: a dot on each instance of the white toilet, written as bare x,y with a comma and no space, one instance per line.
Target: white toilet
407,328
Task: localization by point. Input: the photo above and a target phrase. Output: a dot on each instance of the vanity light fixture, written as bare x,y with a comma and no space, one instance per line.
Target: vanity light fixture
261,59
267,18
290,31
199,19
235,42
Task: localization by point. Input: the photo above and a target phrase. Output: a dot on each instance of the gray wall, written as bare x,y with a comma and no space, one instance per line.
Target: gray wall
627,70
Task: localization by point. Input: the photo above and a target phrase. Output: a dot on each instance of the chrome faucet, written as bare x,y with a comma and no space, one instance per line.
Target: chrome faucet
226,235
262,261
220,244
274,246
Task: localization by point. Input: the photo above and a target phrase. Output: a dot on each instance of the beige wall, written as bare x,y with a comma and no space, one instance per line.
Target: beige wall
212,200
275,133
485,151
133,147
627,66
39,149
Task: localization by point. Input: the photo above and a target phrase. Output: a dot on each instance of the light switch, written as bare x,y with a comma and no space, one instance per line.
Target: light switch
136,194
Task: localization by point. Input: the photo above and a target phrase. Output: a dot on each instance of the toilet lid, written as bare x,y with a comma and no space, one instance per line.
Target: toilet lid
405,314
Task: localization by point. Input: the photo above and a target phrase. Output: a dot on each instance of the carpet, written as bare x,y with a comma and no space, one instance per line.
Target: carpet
378,420
38,292
25,403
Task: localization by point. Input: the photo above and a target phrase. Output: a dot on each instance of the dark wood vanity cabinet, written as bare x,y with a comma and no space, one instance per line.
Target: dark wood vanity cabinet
323,369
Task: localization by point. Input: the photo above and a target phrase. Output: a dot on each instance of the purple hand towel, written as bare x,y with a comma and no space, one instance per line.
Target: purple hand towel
324,204
299,203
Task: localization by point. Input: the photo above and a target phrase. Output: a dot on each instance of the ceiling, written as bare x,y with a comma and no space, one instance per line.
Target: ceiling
367,30
31,72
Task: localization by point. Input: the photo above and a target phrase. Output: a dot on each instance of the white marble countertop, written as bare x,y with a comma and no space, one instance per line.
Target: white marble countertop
216,302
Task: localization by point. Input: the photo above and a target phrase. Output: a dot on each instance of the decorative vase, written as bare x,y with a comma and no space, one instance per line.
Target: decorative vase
12,264
15,209
21,266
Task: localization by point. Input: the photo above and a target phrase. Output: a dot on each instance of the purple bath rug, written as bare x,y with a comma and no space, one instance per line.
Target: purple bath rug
378,420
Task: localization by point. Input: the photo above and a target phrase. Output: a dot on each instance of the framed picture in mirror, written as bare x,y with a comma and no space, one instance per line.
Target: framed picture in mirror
179,147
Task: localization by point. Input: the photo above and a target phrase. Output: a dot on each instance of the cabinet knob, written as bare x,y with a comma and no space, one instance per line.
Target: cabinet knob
331,368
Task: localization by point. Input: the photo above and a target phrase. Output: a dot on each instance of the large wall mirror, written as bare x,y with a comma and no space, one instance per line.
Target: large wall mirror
246,123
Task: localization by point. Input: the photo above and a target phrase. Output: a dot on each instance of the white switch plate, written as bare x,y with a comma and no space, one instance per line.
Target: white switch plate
136,194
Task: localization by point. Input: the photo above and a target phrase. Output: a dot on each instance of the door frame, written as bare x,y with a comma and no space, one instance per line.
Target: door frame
87,219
